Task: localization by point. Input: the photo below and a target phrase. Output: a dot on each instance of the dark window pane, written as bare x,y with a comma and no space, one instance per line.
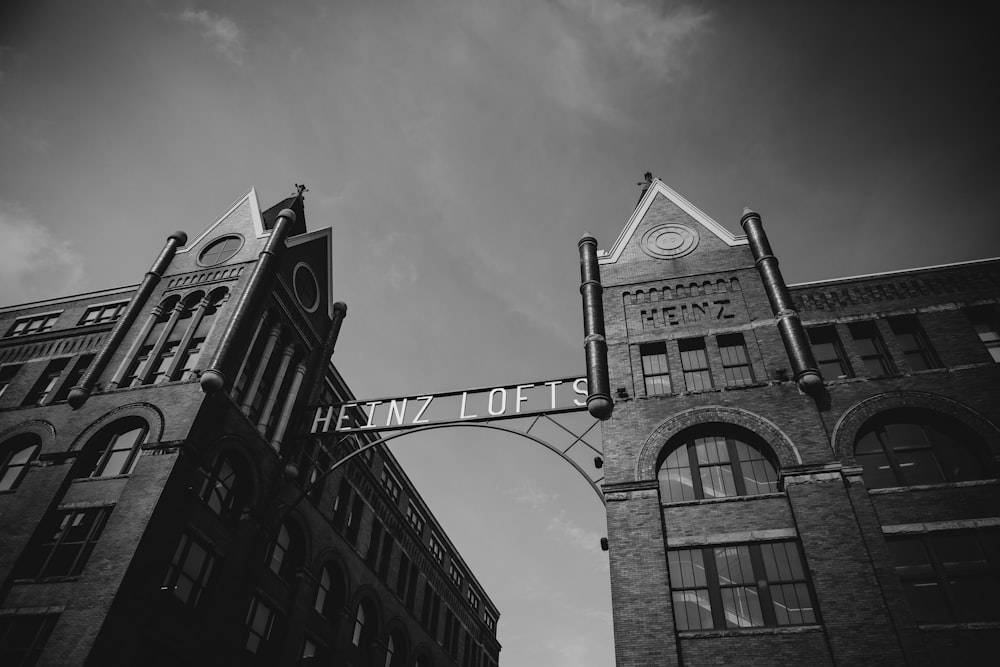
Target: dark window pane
741,607
692,610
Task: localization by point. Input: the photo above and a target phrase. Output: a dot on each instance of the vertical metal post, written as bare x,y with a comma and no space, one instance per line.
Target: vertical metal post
599,402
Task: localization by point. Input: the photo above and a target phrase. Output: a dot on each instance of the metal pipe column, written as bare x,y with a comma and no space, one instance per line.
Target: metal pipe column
599,402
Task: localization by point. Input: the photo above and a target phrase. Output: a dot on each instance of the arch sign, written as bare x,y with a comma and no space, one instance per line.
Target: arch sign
469,405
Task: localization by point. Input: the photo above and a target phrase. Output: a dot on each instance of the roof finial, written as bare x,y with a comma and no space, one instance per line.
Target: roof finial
644,184
301,189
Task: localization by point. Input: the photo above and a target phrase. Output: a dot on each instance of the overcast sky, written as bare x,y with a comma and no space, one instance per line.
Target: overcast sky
459,149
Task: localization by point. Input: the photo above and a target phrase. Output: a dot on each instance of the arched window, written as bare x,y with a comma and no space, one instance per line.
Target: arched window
365,629
156,328
359,625
285,551
115,449
225,487
330,594
714,463
395,650
909,447
15,457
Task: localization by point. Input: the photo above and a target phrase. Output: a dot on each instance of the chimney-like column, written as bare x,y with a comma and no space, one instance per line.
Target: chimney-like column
792,334
599,402
79,394
213,379
325,352
286,410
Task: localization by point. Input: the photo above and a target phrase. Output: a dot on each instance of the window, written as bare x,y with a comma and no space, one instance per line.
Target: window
285,550
455,573
390,651
655,372
390,484
359,625
415,518
872,348
829,353
985,322
906,447
694,363
26,326
22,638
330,594
341,503
108,312
323,592
220,250
66,539
223,488
917,350
716,466
740,586
46,383
7,375
735,361
189,571
75,376
432,610
490,621
260,621
15,457
118,448
395,650
436,549
951,576
354,520
473,599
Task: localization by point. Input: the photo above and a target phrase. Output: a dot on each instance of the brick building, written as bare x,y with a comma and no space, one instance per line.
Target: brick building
801,474
158,505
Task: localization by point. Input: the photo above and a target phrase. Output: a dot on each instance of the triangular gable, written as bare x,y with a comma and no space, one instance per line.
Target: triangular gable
258,224
325,234
658,187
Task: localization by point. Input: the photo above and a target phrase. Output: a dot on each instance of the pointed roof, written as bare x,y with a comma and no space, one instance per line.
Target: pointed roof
270,216
658,187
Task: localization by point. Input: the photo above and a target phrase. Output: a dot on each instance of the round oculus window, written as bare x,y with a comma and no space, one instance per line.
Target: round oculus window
669,241
306,287
220,250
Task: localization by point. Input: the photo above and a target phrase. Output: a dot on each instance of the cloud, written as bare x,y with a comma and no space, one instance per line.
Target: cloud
568,531
33,263
532,495
219,31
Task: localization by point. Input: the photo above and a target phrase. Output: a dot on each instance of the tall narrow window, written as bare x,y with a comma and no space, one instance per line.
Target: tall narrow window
224,488
260,621
655,372
16,456
694,362
359,625
829,353
7,375
46,383
740,586
285,551
916,347
354,520
735,360
74,377
415,518
118,446
437,549
189,571
986,323
22,638
65,542
390,484
341,504
872,348
715,466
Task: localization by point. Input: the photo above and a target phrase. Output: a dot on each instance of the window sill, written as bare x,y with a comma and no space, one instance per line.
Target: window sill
85,480
729,499
889,490
47,580
951,627
743,632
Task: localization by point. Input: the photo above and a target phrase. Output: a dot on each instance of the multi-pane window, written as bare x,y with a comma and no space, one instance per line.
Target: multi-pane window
221,489
278,551
190,571
120,445
912,340
987,325
908,448
455,573
829,353
67,538
260,621
415,518
32,325
108,312
473,599
46,383
359,625
7,375
655,372
694,363
715,466
341,504
390,484
437,549
323,592
490,621
75,376
735,360
872,348
15,457
951,576
740,586
22,638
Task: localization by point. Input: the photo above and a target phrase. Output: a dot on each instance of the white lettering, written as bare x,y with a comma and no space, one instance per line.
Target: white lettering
503,401
318,419
578,390
553,384
371,414
521,398
427,401
397,409
465,395
341,417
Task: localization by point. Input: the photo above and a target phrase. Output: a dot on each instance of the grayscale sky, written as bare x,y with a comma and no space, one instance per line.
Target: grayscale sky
459,149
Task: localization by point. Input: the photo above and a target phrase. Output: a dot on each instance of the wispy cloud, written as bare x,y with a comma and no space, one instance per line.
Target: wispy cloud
219,31
570,532
532,495
33,263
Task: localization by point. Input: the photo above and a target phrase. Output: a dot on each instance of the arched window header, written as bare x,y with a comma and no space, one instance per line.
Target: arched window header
16,456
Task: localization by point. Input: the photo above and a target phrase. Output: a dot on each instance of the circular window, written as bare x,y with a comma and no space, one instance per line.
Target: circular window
669,241
220,250
306,287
